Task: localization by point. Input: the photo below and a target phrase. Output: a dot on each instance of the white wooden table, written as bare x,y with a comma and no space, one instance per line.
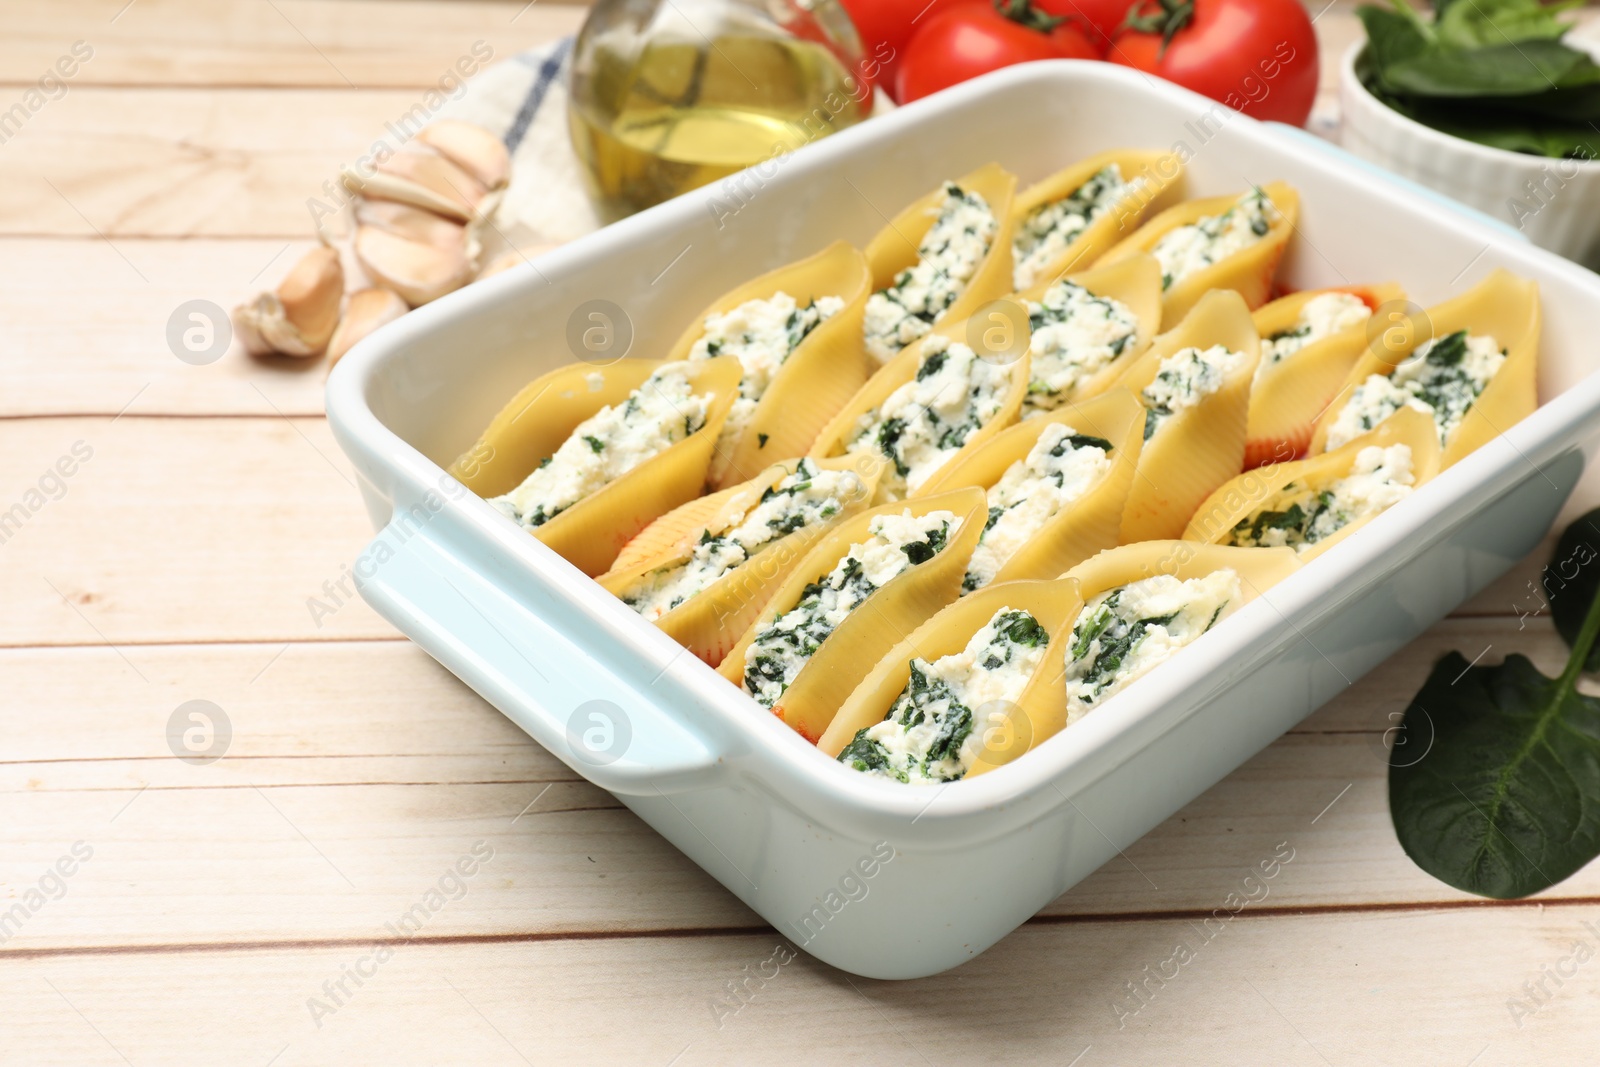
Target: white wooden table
239,912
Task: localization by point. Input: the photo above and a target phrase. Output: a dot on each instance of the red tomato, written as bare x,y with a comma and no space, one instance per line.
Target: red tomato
1098,19
1256,56
971,39
885,26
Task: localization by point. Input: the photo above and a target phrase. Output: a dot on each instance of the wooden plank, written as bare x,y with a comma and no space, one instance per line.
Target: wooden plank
1425,987
309,43
356,770
178,530
189,162
86,322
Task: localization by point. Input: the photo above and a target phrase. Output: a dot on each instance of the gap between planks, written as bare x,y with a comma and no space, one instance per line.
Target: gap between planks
1251,915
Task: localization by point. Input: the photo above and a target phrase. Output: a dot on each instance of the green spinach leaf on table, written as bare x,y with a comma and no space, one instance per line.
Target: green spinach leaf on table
1505,801
1572,580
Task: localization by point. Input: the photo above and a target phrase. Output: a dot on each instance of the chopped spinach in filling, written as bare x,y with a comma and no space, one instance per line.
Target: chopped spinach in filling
1442,377
1075,334
1044,236
1062,466
922,424
1184,379
1190,249
948,256
613,441
762,335
1300,517
784,645
808,498
1321,317
936,728
1124,633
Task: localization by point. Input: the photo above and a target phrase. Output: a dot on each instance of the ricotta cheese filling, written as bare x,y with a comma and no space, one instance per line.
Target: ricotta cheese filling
1124,633
808,498
1206,241
784,645
1074,335
1049,229
664,410
936,729
1184,379
762,334
1321,317
1379,479
1442,377
923,423
1062,465
947,258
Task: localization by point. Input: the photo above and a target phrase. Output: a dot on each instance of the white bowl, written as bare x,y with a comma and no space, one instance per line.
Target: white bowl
1554,202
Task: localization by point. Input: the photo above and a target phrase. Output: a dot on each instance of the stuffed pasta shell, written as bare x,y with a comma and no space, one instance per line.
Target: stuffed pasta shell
873,577
939,259
584,457
1473,369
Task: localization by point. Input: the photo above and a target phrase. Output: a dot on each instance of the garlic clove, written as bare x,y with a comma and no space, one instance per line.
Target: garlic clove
472,148
421,177
418,272
411,223
311,292
364,312
299,317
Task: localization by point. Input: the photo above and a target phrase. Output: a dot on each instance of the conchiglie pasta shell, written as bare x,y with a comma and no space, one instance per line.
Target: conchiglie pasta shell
1502,306
836,436
1088,525
1259,569
1134,282
1249,272
894,248
543,415
1200,447
823,371
1289,396
1261,489
709,622
867,633
1038,713
1162,173
664,535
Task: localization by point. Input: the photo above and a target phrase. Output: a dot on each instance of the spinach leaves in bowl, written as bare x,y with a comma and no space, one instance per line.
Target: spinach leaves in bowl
1491,71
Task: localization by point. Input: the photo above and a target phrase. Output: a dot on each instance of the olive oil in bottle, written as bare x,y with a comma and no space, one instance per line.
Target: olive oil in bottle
676,104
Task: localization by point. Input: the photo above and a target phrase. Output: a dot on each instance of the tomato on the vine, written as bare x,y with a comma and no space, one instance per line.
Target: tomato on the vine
885,27
1256,56
974,38
1098,19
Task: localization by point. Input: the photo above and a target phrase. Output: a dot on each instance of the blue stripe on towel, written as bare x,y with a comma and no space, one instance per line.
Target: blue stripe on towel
548,71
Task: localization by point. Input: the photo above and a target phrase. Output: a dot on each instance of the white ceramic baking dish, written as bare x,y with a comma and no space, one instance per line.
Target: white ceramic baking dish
884,880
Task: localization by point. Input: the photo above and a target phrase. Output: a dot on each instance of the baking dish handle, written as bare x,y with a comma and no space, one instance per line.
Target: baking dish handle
464,613
1309,140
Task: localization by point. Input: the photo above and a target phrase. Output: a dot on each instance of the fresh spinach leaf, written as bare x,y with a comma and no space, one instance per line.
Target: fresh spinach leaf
1391,38
1488,22
1572,579
1506,69
1505,800
1491,71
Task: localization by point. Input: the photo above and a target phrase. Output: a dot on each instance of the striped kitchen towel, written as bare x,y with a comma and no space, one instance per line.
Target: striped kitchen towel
524,100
